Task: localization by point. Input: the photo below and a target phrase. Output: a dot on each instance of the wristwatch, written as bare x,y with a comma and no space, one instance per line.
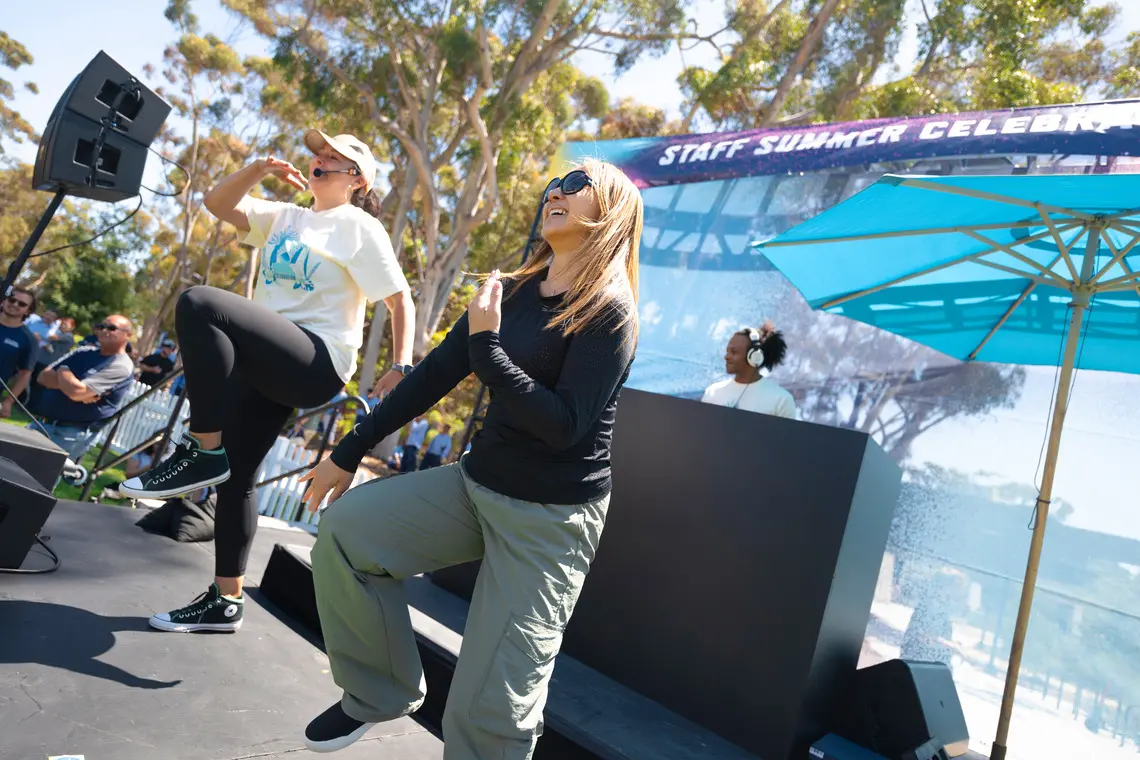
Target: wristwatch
403,369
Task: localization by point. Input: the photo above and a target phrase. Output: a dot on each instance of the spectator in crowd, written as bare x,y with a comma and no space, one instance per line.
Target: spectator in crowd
750,356
93,340
63,340
44,327
438,449
18,346
143,461
83,389
417,432
178,387
158,366
59,342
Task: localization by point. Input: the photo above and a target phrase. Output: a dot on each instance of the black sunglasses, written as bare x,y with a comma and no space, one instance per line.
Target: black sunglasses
107,326
25,304
574,182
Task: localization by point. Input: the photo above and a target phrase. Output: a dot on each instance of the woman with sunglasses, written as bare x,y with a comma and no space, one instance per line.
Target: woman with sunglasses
250,363
554,342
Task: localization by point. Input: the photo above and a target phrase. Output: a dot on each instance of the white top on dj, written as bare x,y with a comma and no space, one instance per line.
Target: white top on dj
765,396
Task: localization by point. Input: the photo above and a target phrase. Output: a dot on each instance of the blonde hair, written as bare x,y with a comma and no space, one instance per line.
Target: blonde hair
608,255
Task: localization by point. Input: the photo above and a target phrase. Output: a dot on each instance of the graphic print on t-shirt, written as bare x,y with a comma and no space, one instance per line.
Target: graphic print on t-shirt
286,251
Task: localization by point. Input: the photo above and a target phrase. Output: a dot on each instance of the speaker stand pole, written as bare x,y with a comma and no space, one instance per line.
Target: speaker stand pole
30,245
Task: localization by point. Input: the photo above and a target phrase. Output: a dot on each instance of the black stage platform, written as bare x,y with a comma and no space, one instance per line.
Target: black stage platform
82,673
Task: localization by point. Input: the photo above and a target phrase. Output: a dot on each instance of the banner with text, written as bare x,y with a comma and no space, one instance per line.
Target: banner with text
1096,129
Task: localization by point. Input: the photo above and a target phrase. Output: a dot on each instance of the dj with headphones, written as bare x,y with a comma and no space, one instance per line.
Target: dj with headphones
751,355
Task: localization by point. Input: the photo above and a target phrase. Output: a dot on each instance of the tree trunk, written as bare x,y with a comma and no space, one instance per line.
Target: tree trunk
251,272
189,217
372,347
380,313
425,322
434,291
211,253
810,42
748,38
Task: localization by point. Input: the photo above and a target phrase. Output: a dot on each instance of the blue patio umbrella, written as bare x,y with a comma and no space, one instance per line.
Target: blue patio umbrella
1033,269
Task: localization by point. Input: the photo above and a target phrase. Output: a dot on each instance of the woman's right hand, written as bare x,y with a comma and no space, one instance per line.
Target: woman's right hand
284,171
325,478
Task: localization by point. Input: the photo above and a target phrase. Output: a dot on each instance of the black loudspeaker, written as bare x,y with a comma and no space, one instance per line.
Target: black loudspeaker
832,747
96,141
34,453
897,707
24,508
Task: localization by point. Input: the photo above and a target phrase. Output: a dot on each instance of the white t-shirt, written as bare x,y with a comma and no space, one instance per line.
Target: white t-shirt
319,269
765,396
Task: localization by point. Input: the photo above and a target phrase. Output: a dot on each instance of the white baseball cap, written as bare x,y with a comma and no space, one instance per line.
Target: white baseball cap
348,146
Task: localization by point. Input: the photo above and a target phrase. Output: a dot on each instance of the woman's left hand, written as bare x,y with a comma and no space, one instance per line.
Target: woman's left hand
385,385
485,311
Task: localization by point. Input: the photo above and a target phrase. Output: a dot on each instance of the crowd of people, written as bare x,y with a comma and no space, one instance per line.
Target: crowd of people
71,388
553,341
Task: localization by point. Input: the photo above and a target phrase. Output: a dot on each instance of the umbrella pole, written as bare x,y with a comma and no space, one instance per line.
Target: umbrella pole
1060,407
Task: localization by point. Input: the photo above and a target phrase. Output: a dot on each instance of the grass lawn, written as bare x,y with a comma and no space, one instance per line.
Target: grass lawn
111,477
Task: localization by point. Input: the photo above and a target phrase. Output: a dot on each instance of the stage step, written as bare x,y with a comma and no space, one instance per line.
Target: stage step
587,714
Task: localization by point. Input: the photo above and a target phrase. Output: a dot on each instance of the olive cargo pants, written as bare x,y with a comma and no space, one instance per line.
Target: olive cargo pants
535,560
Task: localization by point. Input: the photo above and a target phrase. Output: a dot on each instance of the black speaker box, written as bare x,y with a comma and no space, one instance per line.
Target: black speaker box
34,453
24,508
140,113
898,706
66,161
104,103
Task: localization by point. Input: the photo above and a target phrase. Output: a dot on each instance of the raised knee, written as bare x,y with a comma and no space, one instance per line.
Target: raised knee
191,302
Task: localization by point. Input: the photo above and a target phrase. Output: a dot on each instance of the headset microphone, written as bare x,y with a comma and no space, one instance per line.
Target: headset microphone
319,172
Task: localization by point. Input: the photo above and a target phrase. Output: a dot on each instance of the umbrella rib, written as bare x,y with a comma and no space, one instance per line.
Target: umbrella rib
910,233
1117,255
1034,277
1122,214
1128,268
1004,318
943,265
982,195
1131,278
1064,249
1048,274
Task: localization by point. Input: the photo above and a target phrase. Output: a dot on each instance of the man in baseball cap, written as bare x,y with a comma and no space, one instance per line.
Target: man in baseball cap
349,147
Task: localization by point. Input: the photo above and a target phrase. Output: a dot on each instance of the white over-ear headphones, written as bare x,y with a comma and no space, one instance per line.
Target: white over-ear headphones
755,355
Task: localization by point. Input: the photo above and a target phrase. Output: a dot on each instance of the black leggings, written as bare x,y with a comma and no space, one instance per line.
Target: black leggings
247,369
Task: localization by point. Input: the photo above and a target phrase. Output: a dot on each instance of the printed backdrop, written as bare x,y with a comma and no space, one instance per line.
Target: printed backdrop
969,436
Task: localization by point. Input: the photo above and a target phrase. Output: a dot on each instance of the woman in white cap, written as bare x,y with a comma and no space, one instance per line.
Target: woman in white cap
249,363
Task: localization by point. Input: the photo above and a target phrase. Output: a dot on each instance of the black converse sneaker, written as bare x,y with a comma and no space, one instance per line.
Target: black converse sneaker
333,730
189,468
209,612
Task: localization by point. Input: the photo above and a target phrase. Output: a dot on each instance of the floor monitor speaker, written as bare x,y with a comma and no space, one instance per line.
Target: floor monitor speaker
896,707
34,453
24,508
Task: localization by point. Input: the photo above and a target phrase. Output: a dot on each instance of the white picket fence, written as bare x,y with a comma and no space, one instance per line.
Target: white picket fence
280,499
145,419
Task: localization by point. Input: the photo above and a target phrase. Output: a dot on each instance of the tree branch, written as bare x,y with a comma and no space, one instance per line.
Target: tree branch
444,157
810,42
411,103
737,51
522,60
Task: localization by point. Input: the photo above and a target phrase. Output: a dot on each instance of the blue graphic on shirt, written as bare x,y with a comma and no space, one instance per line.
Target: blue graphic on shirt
288,261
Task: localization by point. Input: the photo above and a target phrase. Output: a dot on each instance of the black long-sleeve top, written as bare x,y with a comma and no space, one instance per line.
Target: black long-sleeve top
547,432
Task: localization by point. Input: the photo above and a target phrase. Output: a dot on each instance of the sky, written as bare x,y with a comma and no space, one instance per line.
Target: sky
135,38
1099,453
